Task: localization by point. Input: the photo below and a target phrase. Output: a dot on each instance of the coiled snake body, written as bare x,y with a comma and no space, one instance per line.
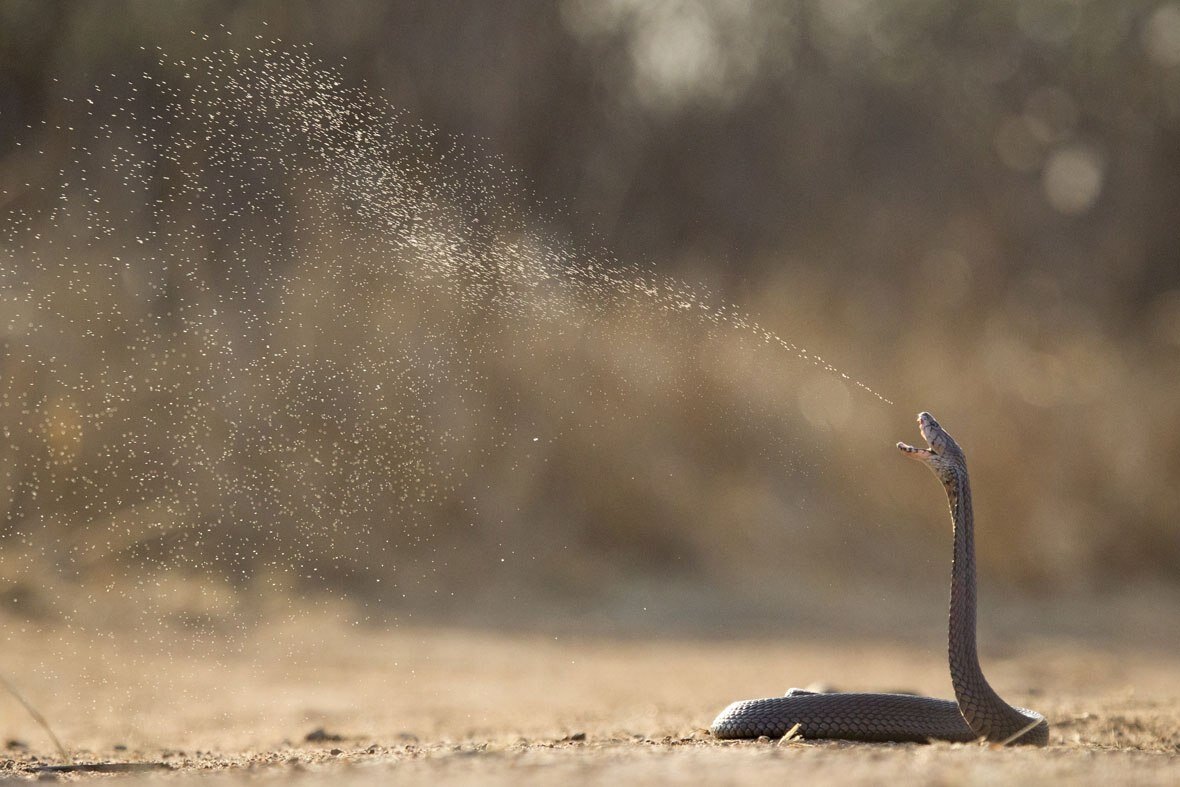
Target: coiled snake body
977,712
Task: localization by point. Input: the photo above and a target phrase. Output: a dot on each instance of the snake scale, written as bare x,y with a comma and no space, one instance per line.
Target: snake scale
977,713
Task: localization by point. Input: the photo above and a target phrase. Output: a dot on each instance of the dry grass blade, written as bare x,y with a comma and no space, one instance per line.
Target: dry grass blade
793,735
1016,735
37,717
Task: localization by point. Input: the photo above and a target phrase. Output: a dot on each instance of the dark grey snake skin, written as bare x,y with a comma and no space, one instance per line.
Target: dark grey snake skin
978,712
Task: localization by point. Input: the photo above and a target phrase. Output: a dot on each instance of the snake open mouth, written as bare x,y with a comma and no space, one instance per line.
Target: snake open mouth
929,429
913,451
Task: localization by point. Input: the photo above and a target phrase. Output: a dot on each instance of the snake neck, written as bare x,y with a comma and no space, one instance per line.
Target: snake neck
985,712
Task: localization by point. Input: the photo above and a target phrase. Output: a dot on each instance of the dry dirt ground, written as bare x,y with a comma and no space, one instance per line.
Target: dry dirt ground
464,705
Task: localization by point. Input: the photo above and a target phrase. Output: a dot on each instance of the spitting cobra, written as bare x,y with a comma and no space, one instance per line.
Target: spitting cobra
977,711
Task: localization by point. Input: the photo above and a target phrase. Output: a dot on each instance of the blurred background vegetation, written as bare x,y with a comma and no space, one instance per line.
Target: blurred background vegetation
970,207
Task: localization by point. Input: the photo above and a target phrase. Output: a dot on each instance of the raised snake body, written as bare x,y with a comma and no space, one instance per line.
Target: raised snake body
977,712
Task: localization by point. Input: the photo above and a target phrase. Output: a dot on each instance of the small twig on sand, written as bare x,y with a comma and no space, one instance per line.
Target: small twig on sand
103,767
37,717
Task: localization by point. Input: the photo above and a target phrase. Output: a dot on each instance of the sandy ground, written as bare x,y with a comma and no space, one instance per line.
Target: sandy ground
464,705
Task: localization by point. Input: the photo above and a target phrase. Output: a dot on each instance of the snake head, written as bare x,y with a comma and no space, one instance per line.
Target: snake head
942,454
